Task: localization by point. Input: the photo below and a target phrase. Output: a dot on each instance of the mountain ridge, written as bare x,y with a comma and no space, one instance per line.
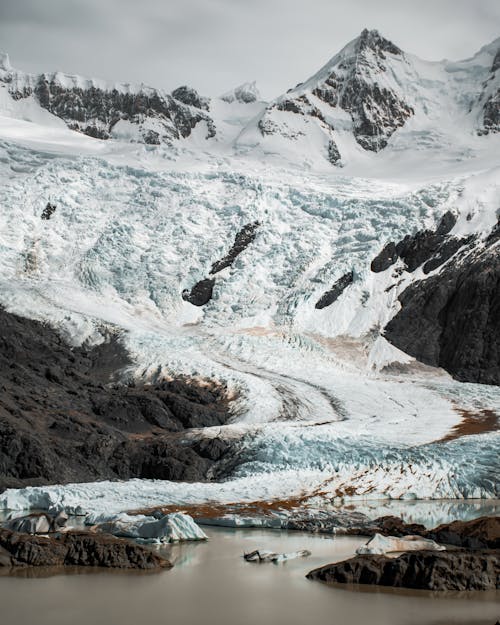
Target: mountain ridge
368,91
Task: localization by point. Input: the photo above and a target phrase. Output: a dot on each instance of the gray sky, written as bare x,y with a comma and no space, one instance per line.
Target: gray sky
214,45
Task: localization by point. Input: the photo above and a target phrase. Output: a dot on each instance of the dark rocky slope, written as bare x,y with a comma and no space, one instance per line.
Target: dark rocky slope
93,108
428,570
62,420
473,563
338,287
450,319
75,549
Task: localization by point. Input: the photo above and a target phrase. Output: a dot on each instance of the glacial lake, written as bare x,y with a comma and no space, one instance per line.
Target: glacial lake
212,584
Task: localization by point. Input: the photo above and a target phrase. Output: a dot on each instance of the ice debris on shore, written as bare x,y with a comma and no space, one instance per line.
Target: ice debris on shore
391,544
157,528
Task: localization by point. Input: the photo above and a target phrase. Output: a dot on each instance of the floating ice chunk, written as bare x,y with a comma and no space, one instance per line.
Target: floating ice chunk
387,544
269,556
159,528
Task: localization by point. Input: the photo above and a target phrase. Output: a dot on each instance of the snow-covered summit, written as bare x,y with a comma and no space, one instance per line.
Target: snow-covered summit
372,95
103,109
245,93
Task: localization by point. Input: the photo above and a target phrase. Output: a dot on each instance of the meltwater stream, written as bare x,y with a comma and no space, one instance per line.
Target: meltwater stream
212,584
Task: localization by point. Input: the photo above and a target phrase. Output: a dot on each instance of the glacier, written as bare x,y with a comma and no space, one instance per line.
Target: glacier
326,406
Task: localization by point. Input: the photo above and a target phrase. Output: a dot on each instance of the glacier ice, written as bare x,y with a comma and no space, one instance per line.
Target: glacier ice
389,544
322,406
158,528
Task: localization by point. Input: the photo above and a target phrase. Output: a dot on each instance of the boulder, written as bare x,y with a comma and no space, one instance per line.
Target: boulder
75,549
426,570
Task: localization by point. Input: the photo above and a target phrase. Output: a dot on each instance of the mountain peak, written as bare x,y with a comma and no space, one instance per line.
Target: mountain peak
245,93
373,40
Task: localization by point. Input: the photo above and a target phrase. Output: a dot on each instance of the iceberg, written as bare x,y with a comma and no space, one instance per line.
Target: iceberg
158,528
390,544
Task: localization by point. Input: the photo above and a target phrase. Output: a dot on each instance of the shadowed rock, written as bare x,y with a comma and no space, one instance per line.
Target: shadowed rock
243,239
427,570
62,419
452,319
75,549
336,291
201,293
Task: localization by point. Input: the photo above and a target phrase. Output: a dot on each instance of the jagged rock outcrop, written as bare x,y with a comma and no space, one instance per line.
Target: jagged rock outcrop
425,247
376,110
336,291
98,109
428,570
358,81
63,420
201,293
188,95
75,549
491,99
452,319
242,240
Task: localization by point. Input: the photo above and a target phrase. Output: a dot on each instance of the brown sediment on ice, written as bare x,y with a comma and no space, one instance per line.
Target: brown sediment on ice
212,510
479,422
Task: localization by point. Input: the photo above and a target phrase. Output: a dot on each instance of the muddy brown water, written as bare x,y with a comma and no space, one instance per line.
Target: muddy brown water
212,584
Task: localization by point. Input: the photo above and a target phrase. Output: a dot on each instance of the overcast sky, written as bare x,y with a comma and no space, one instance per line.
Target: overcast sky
214,45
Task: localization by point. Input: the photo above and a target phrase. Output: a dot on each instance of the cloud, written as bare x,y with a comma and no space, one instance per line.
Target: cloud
216,44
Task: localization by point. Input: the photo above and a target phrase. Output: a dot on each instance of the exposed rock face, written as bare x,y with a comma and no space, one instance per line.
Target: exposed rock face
425,247
48,211
385,259
61,420
336,291
188,95
243,239
491,99
201,293
427,570
95,108
376,111
483,533
452,319
356,82
76,549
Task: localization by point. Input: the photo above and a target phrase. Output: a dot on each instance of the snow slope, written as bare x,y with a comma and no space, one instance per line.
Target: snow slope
326,404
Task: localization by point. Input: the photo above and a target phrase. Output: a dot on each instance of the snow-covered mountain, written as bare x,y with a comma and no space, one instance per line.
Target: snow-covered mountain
104,110
368,95
342,306
371,90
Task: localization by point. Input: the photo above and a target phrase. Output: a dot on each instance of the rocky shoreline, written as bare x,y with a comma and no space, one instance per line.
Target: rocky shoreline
466,558
75,549
426,570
